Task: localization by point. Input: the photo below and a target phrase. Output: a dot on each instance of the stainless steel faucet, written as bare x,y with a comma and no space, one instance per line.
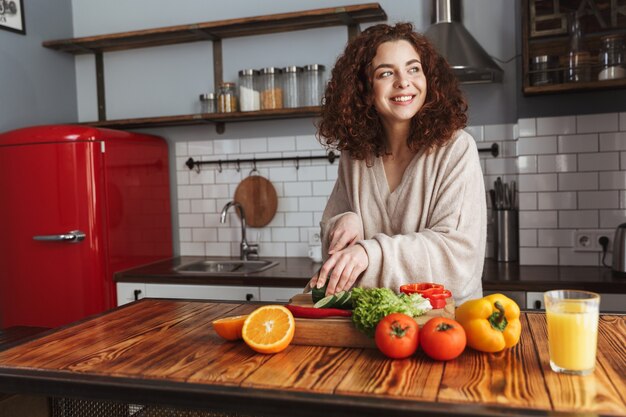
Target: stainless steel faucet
246,249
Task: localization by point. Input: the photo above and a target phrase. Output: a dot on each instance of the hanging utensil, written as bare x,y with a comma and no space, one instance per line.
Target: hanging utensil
258,197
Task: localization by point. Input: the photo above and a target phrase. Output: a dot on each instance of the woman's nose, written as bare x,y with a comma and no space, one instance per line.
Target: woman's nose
402,82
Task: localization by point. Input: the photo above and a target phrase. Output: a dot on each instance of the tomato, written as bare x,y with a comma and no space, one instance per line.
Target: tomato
397,335
442,339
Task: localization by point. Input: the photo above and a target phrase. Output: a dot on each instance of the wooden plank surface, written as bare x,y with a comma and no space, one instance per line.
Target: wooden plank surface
594,393
512,377
169,347
340,331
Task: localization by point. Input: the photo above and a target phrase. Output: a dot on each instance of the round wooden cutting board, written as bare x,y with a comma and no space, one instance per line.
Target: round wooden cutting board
258,197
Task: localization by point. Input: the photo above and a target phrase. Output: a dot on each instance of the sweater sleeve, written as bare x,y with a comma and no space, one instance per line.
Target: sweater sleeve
450,250
338,205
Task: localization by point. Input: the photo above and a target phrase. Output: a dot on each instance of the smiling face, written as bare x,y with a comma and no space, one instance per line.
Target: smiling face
399,83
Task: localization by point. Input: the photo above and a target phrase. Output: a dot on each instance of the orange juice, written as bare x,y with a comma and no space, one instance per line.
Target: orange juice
572,335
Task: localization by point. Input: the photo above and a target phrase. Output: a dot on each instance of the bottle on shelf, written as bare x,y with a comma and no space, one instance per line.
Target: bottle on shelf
208,103
271,89
578,62
313,84
292,80
227,98
612,57
249,96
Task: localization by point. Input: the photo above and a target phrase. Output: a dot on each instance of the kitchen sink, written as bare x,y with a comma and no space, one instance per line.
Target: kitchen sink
225,267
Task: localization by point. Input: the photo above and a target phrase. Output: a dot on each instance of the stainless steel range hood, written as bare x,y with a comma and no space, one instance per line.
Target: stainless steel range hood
468,59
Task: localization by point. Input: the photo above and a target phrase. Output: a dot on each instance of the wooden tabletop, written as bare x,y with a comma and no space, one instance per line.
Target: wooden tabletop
165,352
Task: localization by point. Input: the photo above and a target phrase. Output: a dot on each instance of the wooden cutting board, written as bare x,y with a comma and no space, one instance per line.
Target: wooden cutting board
258,197
340,331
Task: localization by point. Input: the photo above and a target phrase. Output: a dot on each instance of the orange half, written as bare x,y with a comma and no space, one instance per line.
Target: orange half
229,327
269,329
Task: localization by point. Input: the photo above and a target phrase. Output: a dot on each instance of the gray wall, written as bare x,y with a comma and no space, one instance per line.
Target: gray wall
167,80
37,85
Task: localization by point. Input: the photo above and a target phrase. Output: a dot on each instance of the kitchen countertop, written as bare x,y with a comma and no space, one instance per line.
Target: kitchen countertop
296,272
159,352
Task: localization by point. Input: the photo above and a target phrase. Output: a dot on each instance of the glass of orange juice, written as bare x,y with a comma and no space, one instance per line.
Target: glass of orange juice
572,330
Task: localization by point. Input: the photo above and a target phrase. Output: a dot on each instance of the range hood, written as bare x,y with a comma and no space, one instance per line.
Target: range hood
470,62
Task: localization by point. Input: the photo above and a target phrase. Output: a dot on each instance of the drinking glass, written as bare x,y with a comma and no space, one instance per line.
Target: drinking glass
572,318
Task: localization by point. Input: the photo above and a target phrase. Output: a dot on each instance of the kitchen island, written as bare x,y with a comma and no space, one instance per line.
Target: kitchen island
155,354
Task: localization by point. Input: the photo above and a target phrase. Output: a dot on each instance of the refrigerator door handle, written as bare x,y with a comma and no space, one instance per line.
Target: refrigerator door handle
74,236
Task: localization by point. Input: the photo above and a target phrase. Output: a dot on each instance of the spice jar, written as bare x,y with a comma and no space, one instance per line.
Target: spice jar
249,97
544,70
227,98
291,86
313,84
208,103
612,57
271,90
577,67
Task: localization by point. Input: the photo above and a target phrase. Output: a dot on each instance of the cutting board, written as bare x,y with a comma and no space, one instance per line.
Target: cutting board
340,331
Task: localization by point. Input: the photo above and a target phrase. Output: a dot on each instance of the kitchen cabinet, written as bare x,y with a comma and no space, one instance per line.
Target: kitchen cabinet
278,295
609,303
547,30
128,292
349,16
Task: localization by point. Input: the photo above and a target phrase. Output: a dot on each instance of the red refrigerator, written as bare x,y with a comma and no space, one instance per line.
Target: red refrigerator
77,204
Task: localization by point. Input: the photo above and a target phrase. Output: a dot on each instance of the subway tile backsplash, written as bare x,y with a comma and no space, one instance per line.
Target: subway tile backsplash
571,174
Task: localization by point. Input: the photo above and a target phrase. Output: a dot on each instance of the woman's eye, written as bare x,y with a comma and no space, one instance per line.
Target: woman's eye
384,74
414,70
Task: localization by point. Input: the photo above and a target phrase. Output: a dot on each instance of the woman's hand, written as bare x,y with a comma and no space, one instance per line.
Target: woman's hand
341,270
346,232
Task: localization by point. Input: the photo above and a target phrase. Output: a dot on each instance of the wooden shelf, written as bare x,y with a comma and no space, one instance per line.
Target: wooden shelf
210,31
207,118
575,87
350,16
558,44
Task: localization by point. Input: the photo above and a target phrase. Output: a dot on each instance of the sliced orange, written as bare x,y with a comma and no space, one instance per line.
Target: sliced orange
229,327
269,329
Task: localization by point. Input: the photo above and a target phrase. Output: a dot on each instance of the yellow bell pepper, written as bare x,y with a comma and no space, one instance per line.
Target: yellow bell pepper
491,323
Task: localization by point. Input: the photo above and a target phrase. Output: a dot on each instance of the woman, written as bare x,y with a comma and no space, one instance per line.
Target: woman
409,201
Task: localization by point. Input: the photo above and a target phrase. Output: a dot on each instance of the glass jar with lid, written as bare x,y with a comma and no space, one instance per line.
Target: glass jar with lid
208,103
313,85
612,57
577,67
249,96
271,88
227,98
291,86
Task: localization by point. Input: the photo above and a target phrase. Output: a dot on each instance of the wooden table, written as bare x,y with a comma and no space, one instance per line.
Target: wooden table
165,352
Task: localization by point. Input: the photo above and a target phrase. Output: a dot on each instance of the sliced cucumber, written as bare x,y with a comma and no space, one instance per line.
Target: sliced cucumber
342,299
346,303
326,302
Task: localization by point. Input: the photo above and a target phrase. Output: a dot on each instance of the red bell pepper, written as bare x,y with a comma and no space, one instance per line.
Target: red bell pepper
435,293
317,313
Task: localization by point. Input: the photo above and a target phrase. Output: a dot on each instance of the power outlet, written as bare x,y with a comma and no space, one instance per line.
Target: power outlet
588,240
314,236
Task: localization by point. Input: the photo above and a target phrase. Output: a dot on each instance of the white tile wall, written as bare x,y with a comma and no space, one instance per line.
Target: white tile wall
579,185
571,174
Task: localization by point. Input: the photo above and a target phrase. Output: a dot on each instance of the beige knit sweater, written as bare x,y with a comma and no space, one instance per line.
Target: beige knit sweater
432,228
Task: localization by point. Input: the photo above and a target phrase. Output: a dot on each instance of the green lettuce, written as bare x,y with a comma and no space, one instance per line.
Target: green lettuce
372,304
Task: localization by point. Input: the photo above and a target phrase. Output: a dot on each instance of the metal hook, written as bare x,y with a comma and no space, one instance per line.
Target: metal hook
297,163
219,167
238,167
197,167
253,167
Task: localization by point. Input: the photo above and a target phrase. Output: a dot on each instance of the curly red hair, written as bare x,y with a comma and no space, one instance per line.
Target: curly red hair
349,119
